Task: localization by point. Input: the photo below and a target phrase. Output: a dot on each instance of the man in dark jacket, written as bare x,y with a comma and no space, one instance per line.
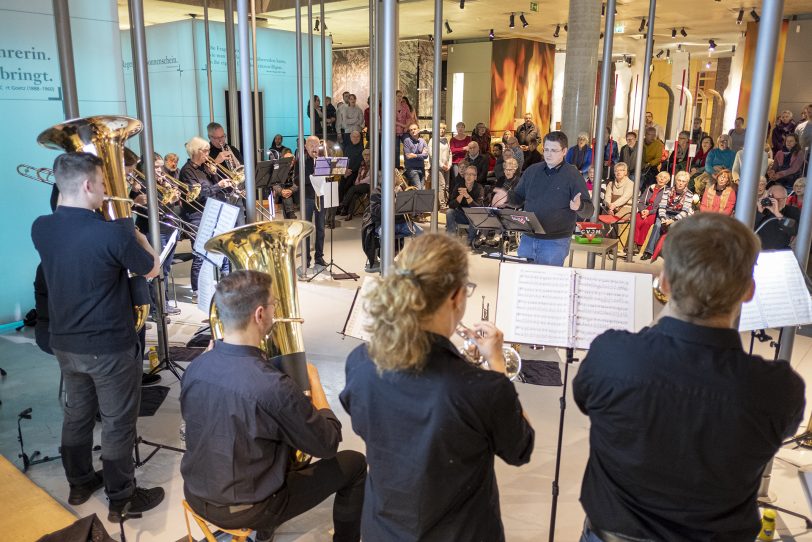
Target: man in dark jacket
468,193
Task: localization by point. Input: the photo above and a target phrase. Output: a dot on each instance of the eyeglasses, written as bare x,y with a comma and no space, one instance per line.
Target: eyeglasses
469,289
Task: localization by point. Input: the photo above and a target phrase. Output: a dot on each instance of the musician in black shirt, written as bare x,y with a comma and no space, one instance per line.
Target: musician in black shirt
432,422
244,417
220,151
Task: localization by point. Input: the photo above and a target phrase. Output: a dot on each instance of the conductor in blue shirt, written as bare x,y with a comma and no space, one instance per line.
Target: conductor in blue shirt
556,192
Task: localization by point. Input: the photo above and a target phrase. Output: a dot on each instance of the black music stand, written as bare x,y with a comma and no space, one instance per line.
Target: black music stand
328,167
414,202
503,221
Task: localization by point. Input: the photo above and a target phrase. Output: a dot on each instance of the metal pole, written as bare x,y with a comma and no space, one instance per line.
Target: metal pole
372,134
310,68
638,164
323,79
257,120
603,111
300,118
389,35
231,66
194,61
208,58
435,111
766,46
246,119
802,243
139,47
64,45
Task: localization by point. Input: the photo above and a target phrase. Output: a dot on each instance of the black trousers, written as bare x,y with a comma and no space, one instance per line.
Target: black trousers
345,475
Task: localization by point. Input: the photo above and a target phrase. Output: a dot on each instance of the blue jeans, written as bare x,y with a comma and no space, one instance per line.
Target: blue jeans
544,251
416,177
317,217
588,536
457,216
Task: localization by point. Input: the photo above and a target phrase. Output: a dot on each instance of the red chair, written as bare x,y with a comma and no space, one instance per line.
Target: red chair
617,226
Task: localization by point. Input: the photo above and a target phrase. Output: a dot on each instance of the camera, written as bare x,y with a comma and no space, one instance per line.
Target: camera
766,202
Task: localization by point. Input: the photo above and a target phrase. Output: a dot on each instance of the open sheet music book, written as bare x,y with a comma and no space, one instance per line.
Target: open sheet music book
568,308
358,318
781,298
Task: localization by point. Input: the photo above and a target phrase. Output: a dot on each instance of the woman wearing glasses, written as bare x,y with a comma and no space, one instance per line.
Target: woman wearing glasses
431,422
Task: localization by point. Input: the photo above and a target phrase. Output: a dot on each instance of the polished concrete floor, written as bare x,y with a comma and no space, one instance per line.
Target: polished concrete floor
525,492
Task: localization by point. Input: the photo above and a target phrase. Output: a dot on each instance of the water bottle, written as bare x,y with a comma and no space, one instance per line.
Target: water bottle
767,525
153,357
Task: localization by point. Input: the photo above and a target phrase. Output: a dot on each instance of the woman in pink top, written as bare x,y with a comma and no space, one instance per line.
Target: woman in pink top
719,197
459,148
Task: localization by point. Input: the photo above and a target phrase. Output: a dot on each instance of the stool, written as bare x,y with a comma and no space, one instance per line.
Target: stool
360,206
237,535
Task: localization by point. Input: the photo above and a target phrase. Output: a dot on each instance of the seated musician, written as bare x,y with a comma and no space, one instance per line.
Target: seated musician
683,420
358,189
649,205
198,171
676,204
432,423
244,418
285,190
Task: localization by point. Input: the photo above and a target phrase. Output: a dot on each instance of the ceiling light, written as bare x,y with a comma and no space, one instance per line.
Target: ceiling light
660,53
523,20
490,35
708,64
462,4
557,30
754,15
740,18
673,32
512,21
683,33
711,45
448,28
642,25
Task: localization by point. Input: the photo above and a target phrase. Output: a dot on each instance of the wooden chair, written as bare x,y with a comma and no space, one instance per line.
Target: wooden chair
237,535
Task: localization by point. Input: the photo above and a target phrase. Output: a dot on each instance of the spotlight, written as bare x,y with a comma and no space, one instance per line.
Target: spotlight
754,15
462,4
668,53
448,28
512,21
523,20
566,27
740,18
316,26
711,45
673,32
683,33
557,30
642,25
708,64
603,10
490,35
660,53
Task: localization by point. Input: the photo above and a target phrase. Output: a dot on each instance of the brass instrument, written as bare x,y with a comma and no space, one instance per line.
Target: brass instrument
270,247
659,295
104,136
169,194
237,184
237,169
470,351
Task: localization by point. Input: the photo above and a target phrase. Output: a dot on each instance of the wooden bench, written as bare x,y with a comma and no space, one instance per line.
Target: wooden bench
605,246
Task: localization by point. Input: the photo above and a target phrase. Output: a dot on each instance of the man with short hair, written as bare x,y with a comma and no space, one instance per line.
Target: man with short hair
556,192
85,263
244,419
697,133
651,124
682,420
468,193
531,154
314,211
526,131
804,130
518,153
628,152
350,118
777,223
478,160
415,152
220,151
330,117
652,156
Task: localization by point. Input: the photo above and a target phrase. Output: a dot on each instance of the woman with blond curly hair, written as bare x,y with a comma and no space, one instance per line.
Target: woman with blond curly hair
432,422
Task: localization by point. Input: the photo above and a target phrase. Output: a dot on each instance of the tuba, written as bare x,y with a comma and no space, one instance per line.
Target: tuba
104,136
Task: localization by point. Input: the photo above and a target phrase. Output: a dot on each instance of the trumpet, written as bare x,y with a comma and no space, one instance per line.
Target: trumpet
237,180
470,350
237,169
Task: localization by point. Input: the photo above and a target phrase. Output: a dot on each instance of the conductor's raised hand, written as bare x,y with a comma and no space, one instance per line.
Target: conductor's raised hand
575,204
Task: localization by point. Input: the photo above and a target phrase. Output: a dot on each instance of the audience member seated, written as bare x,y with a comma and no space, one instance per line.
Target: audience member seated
518,153
784,125
788,163
357,190
648,206
495,154
501,155
796,199
506,135
697,133
610,155
459,148
678,159
469,193
628,153
721,157
617,200
478,160
719,196
804,129
531,155
652,156
508,182
698,163
580,154
353,151
590,180
737,135
482,136
736,170
777,223
277,147
675,205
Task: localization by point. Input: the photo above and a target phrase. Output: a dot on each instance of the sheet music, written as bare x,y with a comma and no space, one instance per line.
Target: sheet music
205,286
168,246
330,190
318,184
218,217
781,297
359,319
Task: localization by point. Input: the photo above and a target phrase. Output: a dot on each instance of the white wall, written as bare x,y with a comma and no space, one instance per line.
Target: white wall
474,60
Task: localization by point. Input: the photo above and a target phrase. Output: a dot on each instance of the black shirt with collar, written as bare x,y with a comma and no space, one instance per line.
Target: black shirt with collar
547,192
683,422
85,261
477,194
310,168
243,418
214,152
481,163
773,233
191,174
431,437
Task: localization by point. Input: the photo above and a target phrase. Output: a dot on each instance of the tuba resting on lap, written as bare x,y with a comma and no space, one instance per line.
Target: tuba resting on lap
104,136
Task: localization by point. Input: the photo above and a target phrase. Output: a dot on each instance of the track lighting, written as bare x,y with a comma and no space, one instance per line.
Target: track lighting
673,32
683,33
642,25
512,21
660,53
557,31
711,45
448,28
462,4
754,15
491,35
740,18
523,20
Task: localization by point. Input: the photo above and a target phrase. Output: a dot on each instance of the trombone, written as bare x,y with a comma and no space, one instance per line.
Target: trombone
190,193
237,181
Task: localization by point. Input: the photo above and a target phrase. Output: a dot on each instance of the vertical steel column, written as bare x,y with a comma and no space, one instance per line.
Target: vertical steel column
300,148
310,69
638,169
758,109
246,118
64,46
372,103
323,78
208,58
375,95
231,66
435,111
258,150
139,47
389,37
603,112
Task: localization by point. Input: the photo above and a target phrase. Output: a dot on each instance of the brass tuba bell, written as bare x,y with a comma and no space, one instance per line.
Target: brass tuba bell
104,136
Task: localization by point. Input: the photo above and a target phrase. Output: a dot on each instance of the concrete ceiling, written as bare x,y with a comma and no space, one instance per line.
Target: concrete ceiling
348,20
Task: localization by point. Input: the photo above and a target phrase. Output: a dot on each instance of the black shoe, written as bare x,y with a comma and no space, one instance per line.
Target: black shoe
148,379
645,256
321,262
141,500
265,535
80,494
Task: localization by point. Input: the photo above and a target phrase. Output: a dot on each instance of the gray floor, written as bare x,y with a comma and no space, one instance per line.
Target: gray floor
525,492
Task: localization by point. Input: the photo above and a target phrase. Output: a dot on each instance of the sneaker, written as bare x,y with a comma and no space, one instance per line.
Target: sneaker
321,262
80,494
172,310
372,268
141,500
148,379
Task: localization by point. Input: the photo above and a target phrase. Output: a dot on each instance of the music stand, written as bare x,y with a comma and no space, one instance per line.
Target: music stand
413,202
265,172
503,221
